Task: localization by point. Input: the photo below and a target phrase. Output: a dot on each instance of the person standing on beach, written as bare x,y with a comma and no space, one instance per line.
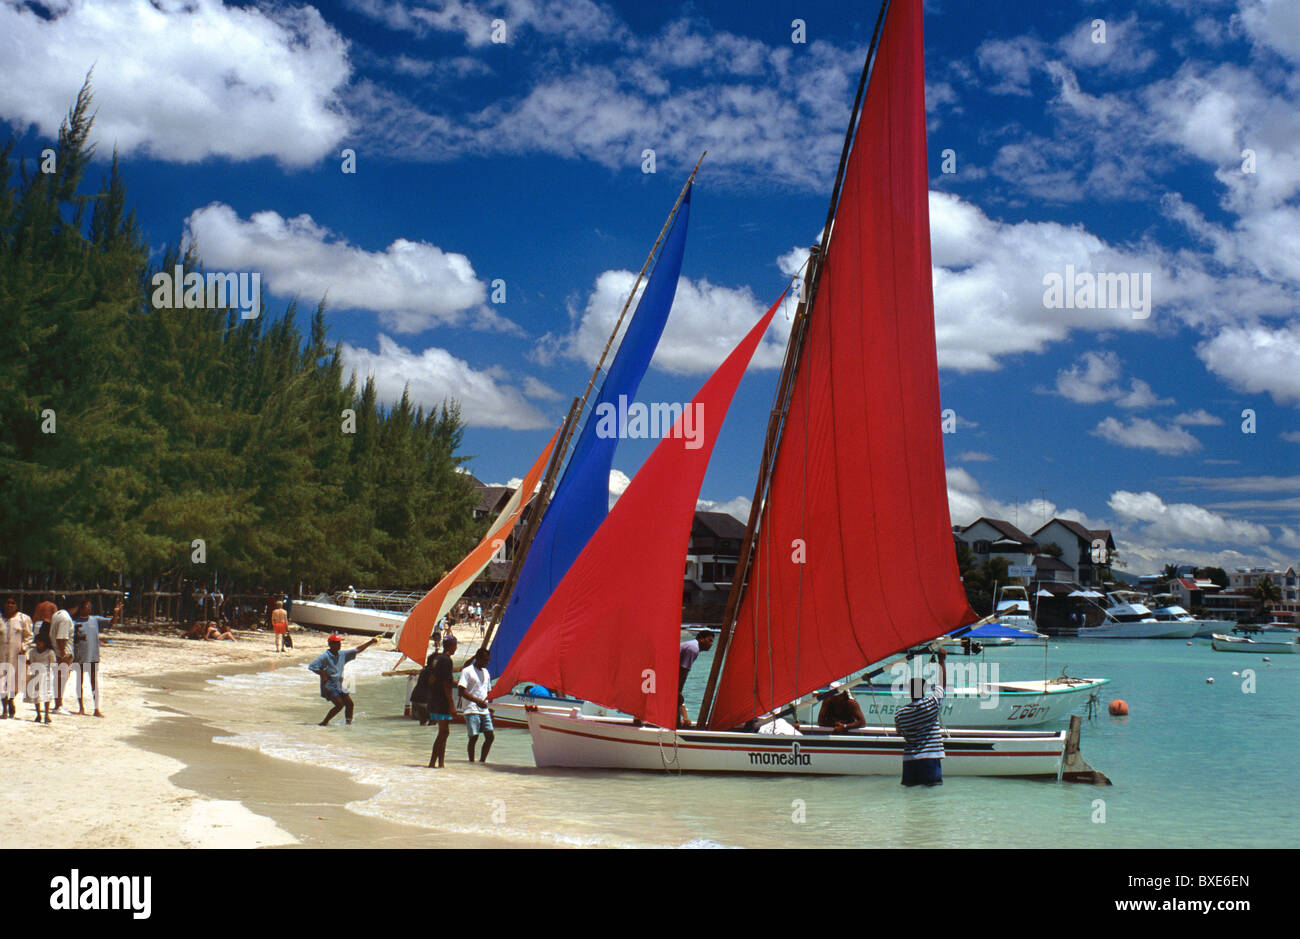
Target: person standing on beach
279,625
689,652
475,683
61,646
16,633
45,610
918,722
40,675
85,650
329,666
442,710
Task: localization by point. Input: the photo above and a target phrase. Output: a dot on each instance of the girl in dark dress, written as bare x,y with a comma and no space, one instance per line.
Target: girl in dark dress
442,710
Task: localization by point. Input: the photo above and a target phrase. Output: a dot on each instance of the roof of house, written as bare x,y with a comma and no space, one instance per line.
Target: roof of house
1084,534
491,497
1046,562
720,524
1006,529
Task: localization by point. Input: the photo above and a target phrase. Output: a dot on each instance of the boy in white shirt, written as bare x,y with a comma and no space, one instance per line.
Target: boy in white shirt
475,683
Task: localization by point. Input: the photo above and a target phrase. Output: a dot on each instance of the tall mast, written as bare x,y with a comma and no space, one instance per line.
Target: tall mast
540,503
785,387
571,421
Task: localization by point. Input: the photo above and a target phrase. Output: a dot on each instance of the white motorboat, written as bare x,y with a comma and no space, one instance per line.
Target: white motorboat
1165,609
324,614
1127,617
1260,646
1013,611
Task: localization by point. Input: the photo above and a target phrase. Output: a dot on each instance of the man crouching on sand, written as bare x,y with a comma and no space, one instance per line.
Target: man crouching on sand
329,666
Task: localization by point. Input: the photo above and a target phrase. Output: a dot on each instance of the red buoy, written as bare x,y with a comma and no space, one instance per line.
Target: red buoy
1118,708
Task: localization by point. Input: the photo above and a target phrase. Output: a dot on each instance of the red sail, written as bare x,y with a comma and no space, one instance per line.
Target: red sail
610,631
855,557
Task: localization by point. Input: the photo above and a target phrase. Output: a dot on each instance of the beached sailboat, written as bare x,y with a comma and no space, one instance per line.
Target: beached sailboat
848,556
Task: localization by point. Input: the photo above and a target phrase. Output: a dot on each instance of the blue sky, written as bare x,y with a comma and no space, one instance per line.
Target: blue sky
522,160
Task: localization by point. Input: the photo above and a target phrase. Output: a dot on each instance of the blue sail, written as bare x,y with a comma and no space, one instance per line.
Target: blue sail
581,499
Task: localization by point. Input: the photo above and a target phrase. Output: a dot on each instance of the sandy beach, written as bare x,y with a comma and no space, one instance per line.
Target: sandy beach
148,775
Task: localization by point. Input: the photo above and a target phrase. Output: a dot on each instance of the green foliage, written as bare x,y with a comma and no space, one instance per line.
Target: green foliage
1051,549
1216,574
980,580
172,425
1267,594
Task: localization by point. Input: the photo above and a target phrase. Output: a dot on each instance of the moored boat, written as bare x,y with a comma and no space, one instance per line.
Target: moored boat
1004,704
1165,608
1263,646
1127,617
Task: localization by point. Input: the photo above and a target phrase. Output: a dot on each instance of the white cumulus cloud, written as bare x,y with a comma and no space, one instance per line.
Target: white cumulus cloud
434,375
1142,434
412,285
1183,521
181,81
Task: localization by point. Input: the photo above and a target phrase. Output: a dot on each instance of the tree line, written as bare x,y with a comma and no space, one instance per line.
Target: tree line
139,443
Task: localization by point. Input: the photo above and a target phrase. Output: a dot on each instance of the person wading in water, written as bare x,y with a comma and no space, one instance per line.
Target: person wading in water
442,709
329,666
918,722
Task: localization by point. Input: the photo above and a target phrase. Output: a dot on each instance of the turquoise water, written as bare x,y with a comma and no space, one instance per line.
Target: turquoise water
1193,765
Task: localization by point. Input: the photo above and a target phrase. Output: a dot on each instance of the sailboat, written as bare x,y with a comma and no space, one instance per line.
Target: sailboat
848,555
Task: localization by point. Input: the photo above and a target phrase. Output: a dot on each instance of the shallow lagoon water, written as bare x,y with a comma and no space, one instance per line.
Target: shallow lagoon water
1193,765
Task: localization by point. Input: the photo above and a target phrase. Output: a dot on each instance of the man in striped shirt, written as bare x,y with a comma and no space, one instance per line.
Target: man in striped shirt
918,722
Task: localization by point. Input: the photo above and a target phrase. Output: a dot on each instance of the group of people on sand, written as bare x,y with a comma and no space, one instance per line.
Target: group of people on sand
218,631
46,653
210,631
433,699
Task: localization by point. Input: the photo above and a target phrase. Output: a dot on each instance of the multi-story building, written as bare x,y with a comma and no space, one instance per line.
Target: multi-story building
1087,552
711,562
1244,580
990,538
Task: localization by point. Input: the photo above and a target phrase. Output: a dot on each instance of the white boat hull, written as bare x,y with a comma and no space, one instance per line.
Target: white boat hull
1208,627
352,619
509,710
570,740
1142,629
1005,705
1257,646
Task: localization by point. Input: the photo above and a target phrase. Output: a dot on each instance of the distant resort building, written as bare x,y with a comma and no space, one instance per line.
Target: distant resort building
1243,582
711,561
1054,582
990,538
1086,552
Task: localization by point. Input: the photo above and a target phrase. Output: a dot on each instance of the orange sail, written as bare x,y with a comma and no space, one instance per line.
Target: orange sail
412,637
854,557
